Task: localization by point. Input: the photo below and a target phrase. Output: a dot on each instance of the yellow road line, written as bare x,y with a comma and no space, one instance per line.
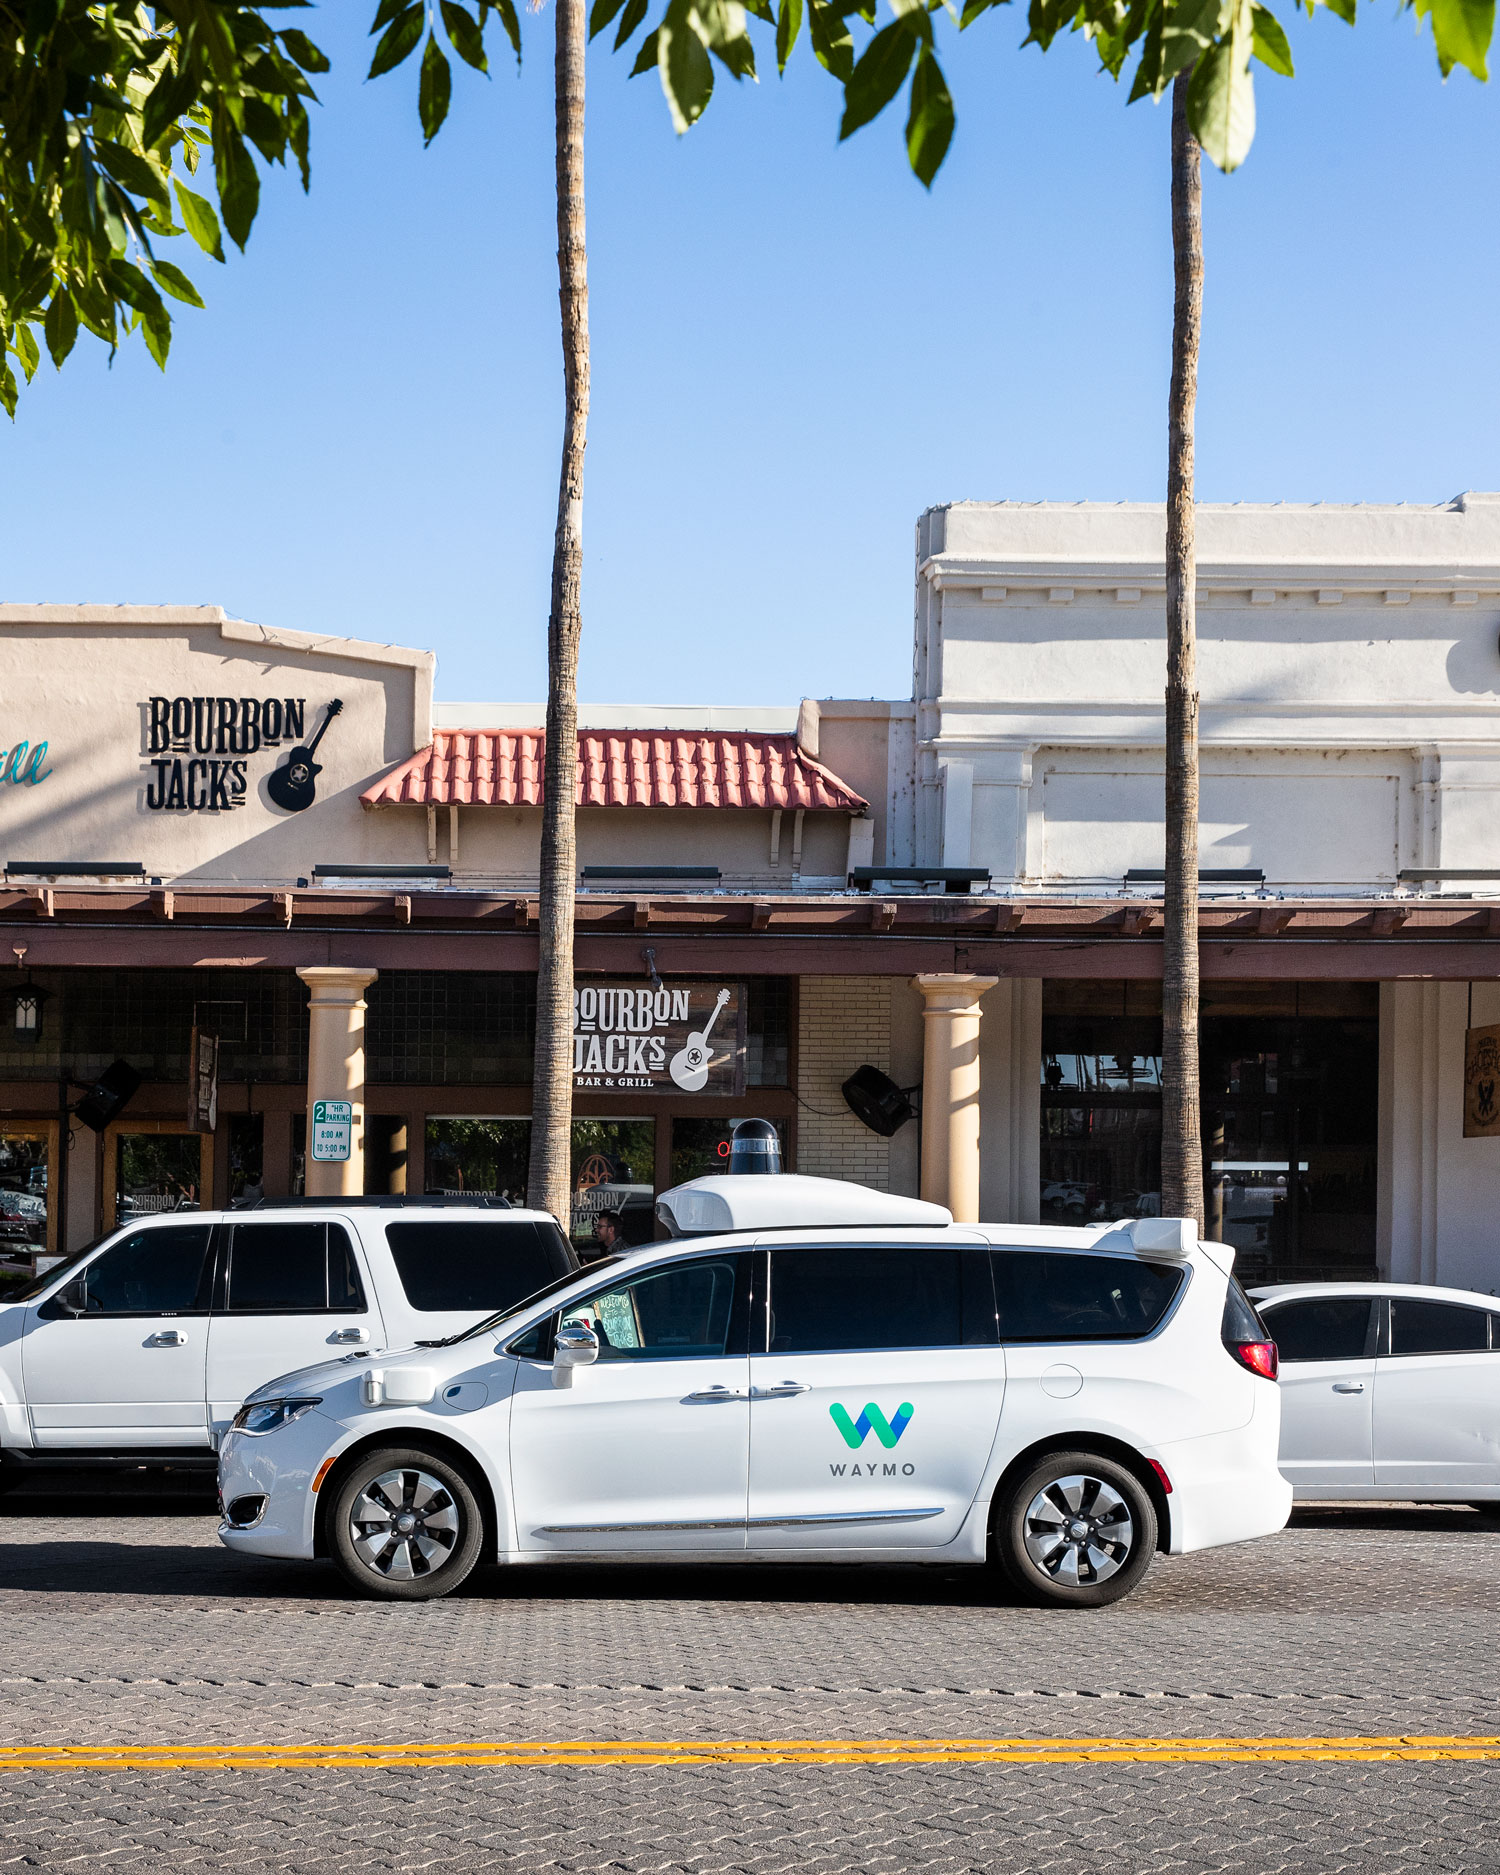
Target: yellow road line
1408,1748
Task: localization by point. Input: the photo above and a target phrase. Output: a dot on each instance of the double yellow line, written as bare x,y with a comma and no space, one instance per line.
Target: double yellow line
651,1752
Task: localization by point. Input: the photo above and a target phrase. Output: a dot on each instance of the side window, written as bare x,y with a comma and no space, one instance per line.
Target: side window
832,1301
1327,1328
1437,1327
481,1265
151,1272
678,1313
1045,1295
290,1269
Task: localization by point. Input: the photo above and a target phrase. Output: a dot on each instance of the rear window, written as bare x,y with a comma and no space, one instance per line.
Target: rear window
1044,1295
480,1264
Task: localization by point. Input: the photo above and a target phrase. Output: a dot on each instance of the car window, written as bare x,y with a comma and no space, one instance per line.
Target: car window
1240,1323
150,1272
679,1313
832,1301
292,1268
1044,1295
1437,1327
1320,1328
476,1264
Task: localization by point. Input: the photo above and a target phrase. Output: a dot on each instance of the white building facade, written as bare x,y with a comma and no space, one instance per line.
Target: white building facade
1350,853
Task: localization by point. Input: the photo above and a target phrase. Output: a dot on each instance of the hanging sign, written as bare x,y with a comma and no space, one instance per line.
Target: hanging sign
1482,1083
332,1129
686,1038
203,1081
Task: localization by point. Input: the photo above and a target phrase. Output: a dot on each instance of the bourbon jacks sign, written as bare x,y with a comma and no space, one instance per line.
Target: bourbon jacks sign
682,1038
198,752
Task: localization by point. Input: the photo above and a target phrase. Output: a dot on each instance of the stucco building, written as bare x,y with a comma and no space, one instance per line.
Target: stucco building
960,889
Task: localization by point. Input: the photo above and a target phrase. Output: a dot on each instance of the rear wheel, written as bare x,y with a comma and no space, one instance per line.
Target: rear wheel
1078,1531
405,1525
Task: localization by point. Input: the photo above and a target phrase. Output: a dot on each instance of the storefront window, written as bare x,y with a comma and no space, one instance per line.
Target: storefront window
1289,1093
614,1182
23,1197
157,1172
614,1171
246,1157
701,1147
478,1157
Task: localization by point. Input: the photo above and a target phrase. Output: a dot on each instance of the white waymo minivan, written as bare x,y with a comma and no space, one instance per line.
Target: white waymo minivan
810,1371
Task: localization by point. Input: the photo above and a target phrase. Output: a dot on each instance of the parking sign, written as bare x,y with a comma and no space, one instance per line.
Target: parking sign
332,1128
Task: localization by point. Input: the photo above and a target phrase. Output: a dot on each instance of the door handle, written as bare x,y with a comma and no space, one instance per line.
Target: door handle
1348,1386
350,1334
167,1338
711,1396
784,1390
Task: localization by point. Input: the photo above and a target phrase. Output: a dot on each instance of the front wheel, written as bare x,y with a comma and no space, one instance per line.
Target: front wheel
406,1525
1078,1531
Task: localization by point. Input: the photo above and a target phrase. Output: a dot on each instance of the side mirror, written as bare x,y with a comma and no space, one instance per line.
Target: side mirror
72,1298
576,1346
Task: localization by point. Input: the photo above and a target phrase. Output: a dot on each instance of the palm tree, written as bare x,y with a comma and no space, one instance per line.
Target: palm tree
1181,1130
550,1175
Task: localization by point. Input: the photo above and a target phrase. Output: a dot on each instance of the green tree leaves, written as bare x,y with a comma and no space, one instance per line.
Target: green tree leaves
1218,40
1221,93
400,23
104,109
1461,31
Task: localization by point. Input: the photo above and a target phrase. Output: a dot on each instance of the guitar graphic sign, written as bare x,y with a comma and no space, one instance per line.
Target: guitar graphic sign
673,1036
294,785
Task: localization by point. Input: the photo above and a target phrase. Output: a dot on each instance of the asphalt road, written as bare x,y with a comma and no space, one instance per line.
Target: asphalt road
126,1626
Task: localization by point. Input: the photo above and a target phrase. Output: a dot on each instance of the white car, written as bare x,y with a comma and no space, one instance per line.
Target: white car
1388,1390
813,1371
137,1350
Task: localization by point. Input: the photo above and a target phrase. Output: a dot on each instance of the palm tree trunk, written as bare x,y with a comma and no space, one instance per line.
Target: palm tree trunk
549,1177
1181,1123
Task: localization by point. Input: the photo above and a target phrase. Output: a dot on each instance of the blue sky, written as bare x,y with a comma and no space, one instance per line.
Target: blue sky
796,349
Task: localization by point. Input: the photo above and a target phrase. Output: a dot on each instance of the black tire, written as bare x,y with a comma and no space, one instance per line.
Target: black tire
385,1556
1101,1551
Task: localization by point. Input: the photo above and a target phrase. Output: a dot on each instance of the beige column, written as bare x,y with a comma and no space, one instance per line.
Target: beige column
950,1090
336,1069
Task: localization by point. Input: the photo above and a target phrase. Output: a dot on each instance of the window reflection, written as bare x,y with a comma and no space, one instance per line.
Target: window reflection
1289,1089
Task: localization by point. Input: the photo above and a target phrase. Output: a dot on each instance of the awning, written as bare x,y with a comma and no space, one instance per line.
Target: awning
504,768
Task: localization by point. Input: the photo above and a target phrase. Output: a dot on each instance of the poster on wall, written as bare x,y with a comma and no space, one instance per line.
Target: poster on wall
683,1038
1482,1083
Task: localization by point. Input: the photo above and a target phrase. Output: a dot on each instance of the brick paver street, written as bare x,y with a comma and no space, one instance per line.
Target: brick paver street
126,1624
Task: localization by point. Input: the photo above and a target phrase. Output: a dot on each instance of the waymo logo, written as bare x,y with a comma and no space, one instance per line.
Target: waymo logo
856,1431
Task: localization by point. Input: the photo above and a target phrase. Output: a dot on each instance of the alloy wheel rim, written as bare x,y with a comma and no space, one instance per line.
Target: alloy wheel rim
1079,1531
404,1524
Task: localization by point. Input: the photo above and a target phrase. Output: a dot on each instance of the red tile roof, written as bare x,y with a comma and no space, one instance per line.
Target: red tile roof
503,768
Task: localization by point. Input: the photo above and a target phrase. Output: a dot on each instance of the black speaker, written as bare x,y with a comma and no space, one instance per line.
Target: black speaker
106,1099
875,1099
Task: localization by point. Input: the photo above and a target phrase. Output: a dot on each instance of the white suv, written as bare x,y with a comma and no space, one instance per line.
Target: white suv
833,1374
137,1351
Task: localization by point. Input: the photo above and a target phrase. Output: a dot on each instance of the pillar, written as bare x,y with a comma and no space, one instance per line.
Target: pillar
336,1069
950,1090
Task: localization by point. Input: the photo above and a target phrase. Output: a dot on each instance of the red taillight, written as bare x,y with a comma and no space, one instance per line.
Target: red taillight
1258,1356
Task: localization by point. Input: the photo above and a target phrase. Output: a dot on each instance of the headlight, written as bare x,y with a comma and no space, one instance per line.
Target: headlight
271,1415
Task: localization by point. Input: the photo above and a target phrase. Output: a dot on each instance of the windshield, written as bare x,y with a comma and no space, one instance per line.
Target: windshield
39,1284
515,1308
